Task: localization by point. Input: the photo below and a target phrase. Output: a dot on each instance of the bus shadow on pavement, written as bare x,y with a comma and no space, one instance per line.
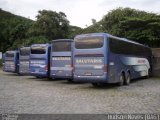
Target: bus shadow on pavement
138,80
11,74
105,86
66,82
115,85
42,79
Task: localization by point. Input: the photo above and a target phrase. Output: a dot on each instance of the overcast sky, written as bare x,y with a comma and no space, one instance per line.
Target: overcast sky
79,12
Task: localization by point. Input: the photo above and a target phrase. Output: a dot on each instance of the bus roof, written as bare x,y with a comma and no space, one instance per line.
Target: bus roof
11,51
109,35
90,35
64,40
126,40
43,45
24,47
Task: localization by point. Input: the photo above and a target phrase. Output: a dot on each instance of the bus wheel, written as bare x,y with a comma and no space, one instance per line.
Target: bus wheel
70,80
38,77
149,73
121,79
128,79
96,84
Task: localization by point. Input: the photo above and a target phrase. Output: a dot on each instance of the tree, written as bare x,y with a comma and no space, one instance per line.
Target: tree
73,31
13,30
133,24
144,30
93,21
52,25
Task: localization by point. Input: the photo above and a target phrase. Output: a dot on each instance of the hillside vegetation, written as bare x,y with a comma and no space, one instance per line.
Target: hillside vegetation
132,24
17,31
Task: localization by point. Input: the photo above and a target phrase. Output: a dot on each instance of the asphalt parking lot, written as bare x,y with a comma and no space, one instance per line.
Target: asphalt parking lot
26,94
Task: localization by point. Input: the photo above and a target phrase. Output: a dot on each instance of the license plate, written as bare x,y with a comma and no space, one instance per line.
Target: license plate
37,70
88,74
60,71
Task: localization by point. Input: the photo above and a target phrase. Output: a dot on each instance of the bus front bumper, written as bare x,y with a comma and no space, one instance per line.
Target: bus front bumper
8,69
91,79
39,74
64,74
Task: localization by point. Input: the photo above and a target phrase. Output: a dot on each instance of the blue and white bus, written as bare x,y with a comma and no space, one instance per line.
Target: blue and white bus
24,57
40,60
3,61
103,58
61,59
11,61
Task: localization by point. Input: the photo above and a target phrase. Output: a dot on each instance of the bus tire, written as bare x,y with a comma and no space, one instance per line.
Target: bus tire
128,79
38,77
96,84
149,74
70,80
121,79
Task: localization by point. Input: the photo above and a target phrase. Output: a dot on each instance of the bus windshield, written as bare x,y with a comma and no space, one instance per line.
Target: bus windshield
9,55
61,46
24,51
89,42
38,50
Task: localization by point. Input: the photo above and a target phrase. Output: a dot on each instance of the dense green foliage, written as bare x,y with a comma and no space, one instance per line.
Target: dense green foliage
51,24
132,24
13,29
74,30
17,31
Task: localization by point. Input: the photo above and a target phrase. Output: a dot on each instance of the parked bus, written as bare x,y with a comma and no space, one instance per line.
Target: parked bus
24,57
61,59
103,58
11,61
3,61
40,60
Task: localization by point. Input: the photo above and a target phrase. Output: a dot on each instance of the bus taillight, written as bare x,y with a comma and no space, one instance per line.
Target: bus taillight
105,68
72,66
46,67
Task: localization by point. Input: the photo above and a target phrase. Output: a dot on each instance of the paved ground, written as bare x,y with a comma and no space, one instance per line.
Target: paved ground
21,94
